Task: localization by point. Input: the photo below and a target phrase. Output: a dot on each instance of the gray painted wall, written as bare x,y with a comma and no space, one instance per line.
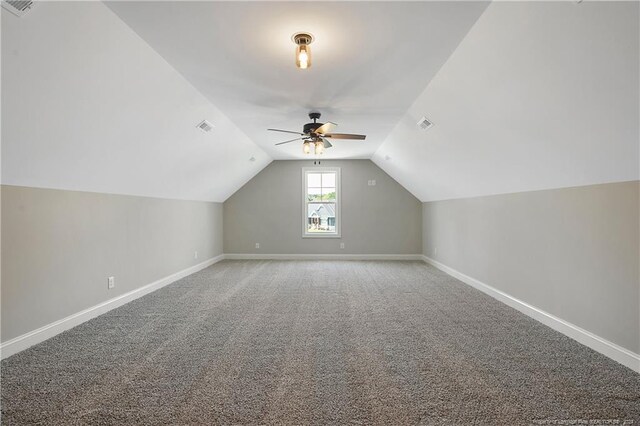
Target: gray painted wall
572,252
59,247
381,219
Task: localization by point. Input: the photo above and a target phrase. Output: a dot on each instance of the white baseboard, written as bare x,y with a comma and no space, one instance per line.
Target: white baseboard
597,343
603,346
259,256
41,334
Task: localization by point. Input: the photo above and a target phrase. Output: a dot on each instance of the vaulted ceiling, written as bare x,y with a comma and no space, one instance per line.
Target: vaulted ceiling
89,106
370,60
524,95
538,95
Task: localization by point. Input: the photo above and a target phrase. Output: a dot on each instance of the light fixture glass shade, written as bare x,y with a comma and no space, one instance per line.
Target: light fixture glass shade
306,147
319,147
303,56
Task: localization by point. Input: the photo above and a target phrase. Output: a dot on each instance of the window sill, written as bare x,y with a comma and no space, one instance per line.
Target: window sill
321,236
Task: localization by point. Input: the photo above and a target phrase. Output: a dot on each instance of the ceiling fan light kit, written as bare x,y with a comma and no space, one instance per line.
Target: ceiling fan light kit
303,51
317,134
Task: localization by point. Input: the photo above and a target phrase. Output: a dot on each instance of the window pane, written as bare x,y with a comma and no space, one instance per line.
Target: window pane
329,179
314,194
321,202
314,179
321,217
328,194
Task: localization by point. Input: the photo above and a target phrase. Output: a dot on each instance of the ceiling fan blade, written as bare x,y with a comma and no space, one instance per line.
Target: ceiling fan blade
292,140
286,131
326,143
326,127
344,136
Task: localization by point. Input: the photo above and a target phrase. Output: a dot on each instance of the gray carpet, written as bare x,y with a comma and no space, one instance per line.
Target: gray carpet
299,342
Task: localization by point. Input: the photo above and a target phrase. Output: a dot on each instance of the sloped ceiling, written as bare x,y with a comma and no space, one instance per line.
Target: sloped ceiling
87,105
535,95
370,60
538,95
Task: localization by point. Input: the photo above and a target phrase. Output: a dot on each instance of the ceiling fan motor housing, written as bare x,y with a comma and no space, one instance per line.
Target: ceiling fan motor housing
310,127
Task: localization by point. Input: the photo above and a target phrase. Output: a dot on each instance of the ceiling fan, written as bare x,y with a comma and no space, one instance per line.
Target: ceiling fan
317,134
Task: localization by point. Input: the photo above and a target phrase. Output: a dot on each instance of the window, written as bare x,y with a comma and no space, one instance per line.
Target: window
321,203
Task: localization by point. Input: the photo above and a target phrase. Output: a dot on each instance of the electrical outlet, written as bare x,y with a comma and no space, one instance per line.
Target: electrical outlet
195,255
341,245
111,282
257,245
371,182
435,251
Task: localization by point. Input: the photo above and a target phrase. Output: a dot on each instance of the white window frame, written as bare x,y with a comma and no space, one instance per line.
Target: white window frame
338,232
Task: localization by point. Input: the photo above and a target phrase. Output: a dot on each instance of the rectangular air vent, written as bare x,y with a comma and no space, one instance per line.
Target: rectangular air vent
425,123
205,126
17,7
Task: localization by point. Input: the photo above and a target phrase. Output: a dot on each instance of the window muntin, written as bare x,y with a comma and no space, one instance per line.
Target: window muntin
321,209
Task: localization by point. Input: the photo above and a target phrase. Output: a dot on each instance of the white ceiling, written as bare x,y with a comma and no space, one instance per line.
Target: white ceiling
539,95
370,60
535,95
87,105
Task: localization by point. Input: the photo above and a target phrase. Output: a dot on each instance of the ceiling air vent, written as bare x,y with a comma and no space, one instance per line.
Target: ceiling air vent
424,123
205,126
17,7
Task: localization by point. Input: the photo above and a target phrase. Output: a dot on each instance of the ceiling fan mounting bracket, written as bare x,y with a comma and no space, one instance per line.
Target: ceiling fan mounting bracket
314,115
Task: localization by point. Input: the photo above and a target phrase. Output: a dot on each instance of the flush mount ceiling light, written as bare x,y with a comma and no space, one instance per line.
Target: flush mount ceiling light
303,51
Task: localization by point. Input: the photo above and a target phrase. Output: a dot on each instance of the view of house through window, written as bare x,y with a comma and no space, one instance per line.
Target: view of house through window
321,201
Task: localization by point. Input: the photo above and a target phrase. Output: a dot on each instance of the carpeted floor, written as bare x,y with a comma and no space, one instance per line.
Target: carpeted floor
326,342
